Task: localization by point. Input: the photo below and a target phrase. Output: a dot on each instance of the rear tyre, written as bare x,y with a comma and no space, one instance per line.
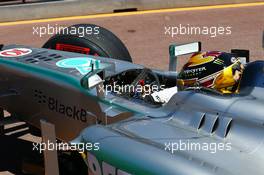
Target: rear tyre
97,41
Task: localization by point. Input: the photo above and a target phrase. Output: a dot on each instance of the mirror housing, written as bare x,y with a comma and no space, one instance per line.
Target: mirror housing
92,79
182,49
243,55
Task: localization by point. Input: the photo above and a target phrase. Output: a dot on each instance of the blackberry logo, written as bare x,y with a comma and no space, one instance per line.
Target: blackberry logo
55,105
41,98
69,111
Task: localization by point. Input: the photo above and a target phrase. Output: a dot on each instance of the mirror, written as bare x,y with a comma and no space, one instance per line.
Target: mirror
187,48
92,79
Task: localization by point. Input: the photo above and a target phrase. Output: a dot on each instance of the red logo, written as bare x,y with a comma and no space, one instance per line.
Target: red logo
15,52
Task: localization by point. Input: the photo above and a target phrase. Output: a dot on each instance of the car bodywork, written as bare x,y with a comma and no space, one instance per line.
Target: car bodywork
137,137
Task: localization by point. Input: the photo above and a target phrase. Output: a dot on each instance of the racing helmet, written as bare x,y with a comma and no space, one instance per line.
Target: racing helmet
217,70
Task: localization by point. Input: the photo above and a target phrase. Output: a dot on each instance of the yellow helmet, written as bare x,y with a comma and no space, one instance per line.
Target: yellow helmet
218,70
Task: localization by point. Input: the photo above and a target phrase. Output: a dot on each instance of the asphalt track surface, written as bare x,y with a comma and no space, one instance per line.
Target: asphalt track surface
144,35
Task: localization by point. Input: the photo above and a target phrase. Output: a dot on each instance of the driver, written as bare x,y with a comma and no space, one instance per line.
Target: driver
220,71
215,70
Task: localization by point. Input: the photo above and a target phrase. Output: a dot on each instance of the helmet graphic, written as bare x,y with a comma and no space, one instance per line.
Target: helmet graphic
218,70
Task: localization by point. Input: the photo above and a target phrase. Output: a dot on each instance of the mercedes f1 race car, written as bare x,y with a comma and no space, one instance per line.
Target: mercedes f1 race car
138,120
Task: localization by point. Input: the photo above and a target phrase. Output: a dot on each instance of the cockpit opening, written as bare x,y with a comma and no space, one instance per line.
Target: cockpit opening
143,85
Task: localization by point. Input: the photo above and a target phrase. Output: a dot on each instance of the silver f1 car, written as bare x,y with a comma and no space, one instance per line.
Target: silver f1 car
89,100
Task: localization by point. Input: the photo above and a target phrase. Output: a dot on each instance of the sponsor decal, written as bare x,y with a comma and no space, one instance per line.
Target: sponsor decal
196,70
54,105
81,64
15,52
219,61
69,111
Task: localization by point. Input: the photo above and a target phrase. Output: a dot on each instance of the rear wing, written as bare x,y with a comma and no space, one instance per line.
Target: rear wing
176,50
